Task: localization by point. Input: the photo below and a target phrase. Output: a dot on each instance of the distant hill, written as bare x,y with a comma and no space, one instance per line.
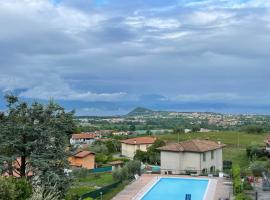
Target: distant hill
139,111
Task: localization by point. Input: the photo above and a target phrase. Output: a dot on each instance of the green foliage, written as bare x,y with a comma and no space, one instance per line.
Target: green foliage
255,151
7,189
237,184
258,167
23,189
141,156
152,155
81,173
132,127
255,129
247,185
195,128
178,130
40,193
131,168
38,135
14,188
120,174
134,167
240,196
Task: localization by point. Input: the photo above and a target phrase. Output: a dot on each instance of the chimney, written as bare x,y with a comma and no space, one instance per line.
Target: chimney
135,142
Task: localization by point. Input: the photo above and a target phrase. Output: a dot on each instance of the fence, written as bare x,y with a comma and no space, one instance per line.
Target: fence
97,193
101,169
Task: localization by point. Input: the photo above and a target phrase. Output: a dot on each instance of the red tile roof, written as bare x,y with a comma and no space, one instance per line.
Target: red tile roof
139,140
192,146
83,154
84,136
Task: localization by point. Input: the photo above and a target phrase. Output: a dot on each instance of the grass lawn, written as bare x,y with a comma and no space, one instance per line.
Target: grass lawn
90,182
233,152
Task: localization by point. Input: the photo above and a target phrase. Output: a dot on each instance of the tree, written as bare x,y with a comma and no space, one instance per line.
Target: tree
132,127
195,128
134,167
141,156
254,129
34,138
178,130
152,155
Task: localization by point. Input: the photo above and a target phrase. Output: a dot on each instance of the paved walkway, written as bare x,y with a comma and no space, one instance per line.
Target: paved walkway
262,195
133,189
138,187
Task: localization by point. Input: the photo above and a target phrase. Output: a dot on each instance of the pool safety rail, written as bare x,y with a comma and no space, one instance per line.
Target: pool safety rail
188,197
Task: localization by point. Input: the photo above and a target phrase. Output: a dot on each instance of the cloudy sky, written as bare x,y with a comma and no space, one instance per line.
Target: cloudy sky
104,57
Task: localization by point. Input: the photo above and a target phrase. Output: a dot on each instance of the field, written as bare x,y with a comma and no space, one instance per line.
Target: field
236,143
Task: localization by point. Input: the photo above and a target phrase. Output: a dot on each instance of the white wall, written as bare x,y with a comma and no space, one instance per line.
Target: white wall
129,150
178,162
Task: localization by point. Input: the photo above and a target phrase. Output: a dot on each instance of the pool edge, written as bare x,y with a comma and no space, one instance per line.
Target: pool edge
208,195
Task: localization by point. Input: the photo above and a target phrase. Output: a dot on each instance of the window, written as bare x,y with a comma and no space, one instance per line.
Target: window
204,156
212,155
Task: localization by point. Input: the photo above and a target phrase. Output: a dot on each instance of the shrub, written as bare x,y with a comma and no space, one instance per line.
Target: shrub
13,188
120,174
258,167
134,167
247,186
237,184
23,189
7,189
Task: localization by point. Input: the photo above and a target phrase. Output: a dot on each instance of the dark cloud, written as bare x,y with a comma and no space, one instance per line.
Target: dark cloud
117,51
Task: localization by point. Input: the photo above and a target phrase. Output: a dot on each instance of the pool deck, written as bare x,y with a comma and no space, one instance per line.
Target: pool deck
137,188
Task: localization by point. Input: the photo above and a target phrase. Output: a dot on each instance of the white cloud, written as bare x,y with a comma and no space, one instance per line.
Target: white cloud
56,88
207,97
141,21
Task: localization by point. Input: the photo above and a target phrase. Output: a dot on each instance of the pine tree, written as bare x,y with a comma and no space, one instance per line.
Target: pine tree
34,140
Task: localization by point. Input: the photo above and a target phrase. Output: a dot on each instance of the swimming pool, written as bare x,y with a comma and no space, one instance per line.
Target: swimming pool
177,188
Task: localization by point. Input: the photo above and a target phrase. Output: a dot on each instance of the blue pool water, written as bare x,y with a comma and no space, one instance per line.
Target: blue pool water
176,189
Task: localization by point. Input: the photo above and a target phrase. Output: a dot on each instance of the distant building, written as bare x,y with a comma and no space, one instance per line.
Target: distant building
267,144
83,159
123,133
205,130
83,138
186,130
130,146
200,156
116,164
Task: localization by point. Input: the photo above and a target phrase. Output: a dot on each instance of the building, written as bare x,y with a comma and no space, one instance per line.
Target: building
201,156
130,146
267,144
83,138
83,159
118,164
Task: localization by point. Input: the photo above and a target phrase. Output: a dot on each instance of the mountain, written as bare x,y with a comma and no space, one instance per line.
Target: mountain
139,111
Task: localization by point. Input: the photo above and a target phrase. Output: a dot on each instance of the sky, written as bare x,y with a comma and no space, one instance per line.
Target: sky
106,57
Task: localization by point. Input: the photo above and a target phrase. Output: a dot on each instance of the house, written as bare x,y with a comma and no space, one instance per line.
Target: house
116,164
201,156
130,146
83,159
122,133
83,138
267,144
